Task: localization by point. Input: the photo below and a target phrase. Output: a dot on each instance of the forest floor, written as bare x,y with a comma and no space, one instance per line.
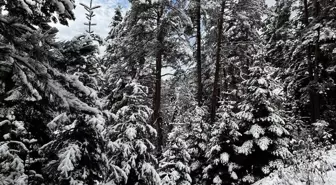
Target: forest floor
319,172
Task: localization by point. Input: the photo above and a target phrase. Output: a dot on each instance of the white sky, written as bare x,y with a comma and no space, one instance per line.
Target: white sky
103,18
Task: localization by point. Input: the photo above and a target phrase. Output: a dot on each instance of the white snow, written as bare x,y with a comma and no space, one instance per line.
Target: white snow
68,157
224,158
217,180
263,143
319,172
131,133
246,148
256,131
234,175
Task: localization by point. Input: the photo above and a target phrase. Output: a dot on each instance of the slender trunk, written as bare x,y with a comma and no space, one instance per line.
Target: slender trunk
225,81
198,54
316,67
316,80
157,120
215,92
310,66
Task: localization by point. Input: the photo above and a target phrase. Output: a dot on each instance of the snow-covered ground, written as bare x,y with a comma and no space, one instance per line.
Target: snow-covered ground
320,172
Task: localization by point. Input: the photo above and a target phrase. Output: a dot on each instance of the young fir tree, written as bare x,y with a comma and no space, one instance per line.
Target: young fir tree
263,145
198,138
76,152
181,111
221,164
174,167
130,151
114,25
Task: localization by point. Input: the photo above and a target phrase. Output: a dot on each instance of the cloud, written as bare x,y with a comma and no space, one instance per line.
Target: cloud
102,19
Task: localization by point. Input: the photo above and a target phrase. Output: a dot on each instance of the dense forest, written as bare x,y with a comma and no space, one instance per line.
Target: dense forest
186,92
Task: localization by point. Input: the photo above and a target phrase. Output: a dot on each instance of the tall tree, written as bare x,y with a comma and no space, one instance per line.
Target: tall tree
215,89
304,50
115,26
199,53
157,117
154,33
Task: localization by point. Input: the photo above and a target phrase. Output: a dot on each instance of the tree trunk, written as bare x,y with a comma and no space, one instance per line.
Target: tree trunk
312,93
157,120
313,67
316,67
215,92
198,54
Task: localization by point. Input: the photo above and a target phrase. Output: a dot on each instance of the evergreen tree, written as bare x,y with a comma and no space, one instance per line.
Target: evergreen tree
76,152
152,31
278,33
264,143
198,139
26,42
116,21
130,151
76,155
298,41
16,150
174,167
222,160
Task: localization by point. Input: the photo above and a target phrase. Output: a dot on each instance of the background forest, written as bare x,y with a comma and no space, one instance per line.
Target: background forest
186,92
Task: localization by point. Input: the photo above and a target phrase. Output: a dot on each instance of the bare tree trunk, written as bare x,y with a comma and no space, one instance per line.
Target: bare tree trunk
157,119
215,92
198,54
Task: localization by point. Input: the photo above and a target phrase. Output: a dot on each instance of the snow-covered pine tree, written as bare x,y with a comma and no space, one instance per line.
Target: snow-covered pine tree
174,167
114,25
310,73
26,40
263,145
33,88
198,137
83,51
221,164
76,152
76,155
151,32
180,106
233,55
278,33
130,151
16,148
